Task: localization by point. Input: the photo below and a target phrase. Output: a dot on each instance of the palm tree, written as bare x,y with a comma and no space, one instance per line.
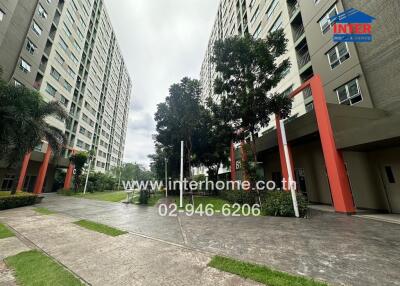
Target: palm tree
23,125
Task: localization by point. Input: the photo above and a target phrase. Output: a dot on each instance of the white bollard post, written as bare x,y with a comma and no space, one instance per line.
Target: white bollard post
181,179
289,169
166,177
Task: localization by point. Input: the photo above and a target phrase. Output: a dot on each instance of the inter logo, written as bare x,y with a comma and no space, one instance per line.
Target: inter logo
352,26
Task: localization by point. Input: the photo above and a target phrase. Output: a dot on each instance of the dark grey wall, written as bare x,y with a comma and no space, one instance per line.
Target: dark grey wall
381,58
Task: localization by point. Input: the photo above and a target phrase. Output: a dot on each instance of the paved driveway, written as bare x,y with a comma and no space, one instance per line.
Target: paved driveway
340,249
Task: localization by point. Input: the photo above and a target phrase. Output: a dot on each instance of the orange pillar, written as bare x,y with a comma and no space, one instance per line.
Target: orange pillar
338,180
284,168
68,176
42,172
233,163
22,173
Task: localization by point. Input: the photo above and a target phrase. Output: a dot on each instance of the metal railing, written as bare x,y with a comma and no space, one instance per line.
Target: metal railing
304,59
298,32
293,8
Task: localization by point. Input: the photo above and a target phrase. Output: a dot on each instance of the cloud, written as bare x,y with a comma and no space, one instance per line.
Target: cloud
161,41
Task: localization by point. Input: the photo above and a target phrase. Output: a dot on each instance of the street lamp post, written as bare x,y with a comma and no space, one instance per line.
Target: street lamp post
166,177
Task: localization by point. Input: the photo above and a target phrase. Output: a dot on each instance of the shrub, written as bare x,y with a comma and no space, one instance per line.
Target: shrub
144,197
66,192
279,203
240,197
17,200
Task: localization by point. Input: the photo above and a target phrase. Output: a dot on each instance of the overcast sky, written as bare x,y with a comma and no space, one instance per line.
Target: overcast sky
161,41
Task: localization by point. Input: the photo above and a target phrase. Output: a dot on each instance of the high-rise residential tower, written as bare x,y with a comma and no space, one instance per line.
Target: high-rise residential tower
68,51
360,83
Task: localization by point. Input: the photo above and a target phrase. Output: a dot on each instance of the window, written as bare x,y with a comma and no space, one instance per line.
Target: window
64,101
271,8
36,28
67,31
24,66
77,47
258,31
1,15
70,18
49,1
55,74
63,44
278,23
349,93
17,83
42,12
325,22
59,59
71,72
30,47
255,15
74,59
338,54
67,86
51,90
82,130
316,2
79,143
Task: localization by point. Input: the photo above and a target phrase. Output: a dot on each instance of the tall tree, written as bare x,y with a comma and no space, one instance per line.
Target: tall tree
79,160
23,124
177,119
248,70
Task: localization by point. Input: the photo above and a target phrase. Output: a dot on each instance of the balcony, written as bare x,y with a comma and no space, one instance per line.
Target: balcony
298,31
293,7
303,59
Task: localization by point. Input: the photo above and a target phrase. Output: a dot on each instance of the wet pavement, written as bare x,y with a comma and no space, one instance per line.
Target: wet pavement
342,250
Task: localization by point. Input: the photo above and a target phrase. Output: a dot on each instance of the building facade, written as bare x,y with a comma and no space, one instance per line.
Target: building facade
361,88
68,51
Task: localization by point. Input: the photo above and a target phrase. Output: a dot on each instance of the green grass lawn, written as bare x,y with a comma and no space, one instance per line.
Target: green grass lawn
44,211
103,196
105,229
260,273
33,268
8,193
5,232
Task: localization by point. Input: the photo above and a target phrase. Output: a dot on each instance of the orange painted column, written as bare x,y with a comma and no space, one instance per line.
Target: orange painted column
284,168
338,180
42,172
233,163
22,173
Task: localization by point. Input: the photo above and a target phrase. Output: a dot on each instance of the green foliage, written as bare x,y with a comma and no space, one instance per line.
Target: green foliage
248,70
79,160
240,196
65,192
144,196
279,203
18,200
23,125
33,268
132,171
99,182
260,273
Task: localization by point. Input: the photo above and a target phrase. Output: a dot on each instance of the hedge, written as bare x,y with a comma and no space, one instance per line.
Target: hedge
17,200
279,203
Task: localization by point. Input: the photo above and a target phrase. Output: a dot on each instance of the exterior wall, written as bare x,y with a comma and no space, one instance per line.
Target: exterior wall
319,44
76,61
381,58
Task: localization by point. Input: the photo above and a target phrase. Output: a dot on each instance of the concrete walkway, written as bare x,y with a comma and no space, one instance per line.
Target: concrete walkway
339,249
124,260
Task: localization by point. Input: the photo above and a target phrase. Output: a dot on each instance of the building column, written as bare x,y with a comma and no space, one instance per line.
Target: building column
22,173
42,172
337,174
233,162
284,167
